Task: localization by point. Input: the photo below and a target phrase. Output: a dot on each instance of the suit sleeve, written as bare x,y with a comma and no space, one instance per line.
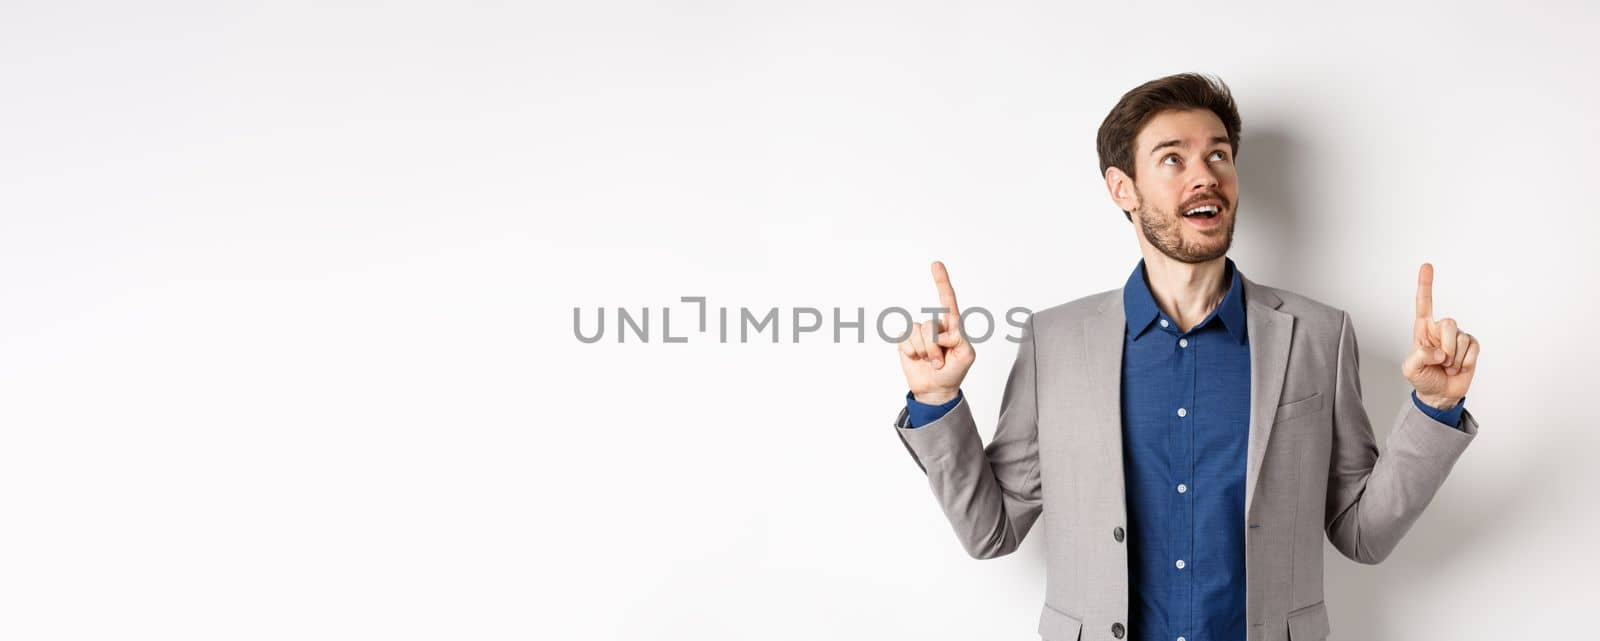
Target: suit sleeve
1373,500
991,495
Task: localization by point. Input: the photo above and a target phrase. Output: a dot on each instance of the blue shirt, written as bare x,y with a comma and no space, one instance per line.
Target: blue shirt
1186,430
1185,434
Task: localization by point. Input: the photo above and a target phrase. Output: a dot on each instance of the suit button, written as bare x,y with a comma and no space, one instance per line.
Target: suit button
1116,630
1117,534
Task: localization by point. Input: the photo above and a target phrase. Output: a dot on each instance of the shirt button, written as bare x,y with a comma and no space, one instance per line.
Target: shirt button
1182,488
1180,564
1116,533
1116,630
1183,342
1182,412
1163,322
1180,638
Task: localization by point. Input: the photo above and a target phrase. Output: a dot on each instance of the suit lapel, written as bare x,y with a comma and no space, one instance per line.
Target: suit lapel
1270,332
1103,335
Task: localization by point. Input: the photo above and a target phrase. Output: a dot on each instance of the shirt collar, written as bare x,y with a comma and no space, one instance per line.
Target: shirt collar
1140,308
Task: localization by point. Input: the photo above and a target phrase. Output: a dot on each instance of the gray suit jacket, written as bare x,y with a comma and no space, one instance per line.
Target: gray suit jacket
1313,464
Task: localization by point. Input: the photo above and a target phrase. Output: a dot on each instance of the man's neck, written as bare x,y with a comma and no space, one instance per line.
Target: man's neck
1186,292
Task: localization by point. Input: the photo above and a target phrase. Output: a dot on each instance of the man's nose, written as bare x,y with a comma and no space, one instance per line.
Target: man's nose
1204,179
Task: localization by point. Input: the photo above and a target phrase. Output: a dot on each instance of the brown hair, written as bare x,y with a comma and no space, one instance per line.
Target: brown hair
1176,92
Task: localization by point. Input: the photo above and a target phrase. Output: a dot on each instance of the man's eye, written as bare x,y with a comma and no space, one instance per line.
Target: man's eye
1219,155
1173,157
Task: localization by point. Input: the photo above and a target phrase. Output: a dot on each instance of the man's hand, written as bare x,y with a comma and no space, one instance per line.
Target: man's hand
1443,358
936,356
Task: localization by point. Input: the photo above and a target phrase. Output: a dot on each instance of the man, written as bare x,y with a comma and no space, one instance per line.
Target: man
1193,434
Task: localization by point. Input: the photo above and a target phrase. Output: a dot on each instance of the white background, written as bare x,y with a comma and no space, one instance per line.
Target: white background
286,344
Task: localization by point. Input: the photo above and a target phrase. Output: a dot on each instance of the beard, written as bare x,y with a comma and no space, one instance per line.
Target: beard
1164,230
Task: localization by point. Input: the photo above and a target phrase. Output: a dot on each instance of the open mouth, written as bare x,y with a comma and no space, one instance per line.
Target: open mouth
1203,211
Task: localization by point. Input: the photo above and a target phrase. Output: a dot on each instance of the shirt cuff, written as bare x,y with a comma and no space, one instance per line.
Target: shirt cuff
920,414
1451,417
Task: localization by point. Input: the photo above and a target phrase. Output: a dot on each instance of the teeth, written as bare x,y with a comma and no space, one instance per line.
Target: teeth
1203,209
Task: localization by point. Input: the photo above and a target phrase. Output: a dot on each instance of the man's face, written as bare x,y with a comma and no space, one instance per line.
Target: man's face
1183,162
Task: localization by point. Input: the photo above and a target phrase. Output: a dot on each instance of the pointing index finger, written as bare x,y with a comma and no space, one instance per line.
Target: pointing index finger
947,294
1425,292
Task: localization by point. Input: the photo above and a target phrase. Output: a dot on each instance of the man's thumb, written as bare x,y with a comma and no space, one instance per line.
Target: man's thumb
1422,356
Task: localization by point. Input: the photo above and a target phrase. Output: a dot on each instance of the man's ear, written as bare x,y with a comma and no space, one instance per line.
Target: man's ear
1120,186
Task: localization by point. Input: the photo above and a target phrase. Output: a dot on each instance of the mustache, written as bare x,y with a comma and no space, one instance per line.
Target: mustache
1212,196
